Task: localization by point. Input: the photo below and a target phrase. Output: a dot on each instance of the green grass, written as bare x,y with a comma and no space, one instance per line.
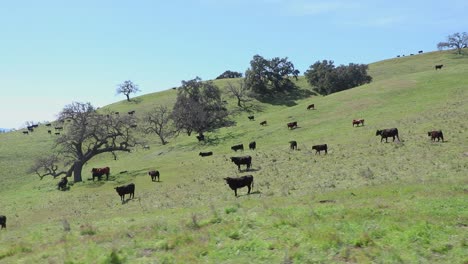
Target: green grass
402,202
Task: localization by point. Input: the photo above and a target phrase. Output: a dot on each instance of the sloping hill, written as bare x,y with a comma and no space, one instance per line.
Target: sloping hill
365,201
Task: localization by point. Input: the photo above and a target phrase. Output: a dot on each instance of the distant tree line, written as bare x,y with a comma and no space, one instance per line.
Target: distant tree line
327,79
229,75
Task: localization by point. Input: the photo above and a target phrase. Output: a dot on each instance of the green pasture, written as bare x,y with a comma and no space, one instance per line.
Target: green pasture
364,202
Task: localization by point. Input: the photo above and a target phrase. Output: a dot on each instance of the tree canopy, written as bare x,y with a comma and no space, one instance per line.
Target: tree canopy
456,40
199,107
327,79
86,134
270,76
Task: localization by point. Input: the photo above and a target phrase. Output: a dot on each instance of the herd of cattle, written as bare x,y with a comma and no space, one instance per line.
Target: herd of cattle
247,180
57,129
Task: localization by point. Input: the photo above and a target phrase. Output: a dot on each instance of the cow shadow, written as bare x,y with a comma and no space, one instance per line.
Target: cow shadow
247,194
127,200
248,170
214,140
286,98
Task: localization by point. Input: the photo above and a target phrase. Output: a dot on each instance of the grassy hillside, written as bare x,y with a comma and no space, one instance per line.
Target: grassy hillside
364,202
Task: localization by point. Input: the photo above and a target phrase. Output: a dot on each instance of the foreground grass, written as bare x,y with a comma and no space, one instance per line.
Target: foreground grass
401,202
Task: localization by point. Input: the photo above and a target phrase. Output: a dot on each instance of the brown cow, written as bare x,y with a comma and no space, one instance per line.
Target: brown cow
358,121
311,106
436,134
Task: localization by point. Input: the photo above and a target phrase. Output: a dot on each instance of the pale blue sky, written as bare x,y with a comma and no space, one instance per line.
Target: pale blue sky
54,52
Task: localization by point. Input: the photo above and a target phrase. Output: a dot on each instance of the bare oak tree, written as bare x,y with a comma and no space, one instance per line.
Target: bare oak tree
457,40
158,121
86,135
239,91
127,88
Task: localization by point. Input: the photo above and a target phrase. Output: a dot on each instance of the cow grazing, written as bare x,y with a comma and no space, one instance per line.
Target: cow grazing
236,183
201,137
244,160
311,106
386,133
358,122
292,125
420,51
133,125
319,148
57,133
263,123
3,221
293,145
98,172
154,174
205,154
131,112
252,145
238,147
49,131
26,132
436,134
126,189
48,124
251,118
439,67
62,184
59,128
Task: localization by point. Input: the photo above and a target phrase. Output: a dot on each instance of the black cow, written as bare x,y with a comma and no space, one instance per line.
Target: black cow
436,134
439,67
238,147
311,106
293,145
48,124
263,123
59,128
251,118
201,137
126,189
49,131
236,183
252,145
420,51
205,154
319,148
385,133
3,221
131,112
244,160
292,125
26,132
154,174
62,184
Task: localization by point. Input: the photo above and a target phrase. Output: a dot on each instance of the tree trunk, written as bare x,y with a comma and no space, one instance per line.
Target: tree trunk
77,168
128,97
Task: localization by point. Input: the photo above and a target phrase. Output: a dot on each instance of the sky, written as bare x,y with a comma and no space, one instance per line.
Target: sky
55,52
